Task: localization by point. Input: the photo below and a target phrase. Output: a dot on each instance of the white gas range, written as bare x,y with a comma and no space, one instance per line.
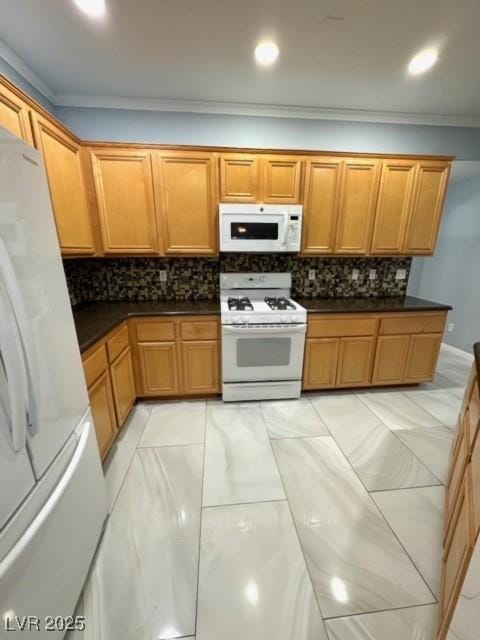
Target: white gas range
263,337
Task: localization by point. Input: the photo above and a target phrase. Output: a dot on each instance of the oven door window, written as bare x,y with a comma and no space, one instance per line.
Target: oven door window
254,230
264,352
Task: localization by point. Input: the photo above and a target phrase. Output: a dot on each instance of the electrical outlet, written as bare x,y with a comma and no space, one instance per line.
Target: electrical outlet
355,274
163,275
372,274
451,326
311,274
401,274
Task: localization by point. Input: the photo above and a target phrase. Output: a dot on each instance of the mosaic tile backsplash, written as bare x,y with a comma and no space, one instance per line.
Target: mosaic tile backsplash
102,279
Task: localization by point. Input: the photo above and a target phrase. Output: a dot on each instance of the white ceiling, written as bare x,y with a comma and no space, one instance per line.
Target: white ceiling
201,50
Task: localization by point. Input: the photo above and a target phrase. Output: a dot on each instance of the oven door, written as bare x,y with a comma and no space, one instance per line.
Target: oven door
262,352
254,232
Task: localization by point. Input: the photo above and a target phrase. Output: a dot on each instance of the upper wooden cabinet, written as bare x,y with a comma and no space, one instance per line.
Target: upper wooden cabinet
239,178
393,206
125,199
66,179
188,202
322,191
427,207
357,206
14,114
271,178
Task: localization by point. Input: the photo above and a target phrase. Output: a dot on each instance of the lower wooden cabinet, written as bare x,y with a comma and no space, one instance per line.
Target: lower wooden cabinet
123,384
355,361
320,364
422,357
179,356
103,413
390,359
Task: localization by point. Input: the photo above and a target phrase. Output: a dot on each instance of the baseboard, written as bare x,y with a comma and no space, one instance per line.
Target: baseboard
457,351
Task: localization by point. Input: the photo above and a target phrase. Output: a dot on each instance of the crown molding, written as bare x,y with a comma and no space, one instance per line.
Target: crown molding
264,110
26,72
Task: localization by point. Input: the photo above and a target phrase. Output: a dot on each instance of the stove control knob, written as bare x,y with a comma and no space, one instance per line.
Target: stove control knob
294,318
283,319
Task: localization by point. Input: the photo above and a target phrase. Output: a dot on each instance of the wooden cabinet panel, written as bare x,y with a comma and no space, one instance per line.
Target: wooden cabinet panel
458,464
188,197
322,192
14,114
393,206
154,330
94,364
422,357
200,361
341,326
66,180
458,551
413,323
426,212
390,359
199,329
240,178
103,413
320,364
355,361
281,179
475,470
474,411
125,198
357,206
158,368
117,343
123,384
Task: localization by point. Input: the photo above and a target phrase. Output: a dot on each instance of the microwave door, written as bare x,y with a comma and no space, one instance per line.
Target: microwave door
252,232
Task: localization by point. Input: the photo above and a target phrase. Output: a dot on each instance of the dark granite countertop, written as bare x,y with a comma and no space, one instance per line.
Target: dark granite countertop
94,320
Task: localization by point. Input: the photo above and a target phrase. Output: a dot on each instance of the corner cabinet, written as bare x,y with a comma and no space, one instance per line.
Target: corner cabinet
65,167
14,114
188,196
125,200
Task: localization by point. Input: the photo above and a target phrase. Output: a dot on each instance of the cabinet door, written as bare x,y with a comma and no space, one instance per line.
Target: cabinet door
281,179
320,366
240,178
428,199
103,413
158,368
390,359
188,197
123,383
358,196
355,362
124,189
322,191
200,367
393,206
14,114
422,357
66,180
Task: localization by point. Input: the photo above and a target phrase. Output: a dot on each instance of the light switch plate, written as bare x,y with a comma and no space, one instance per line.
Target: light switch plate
311,274
163,275
451,326
355,274
401,274
372,274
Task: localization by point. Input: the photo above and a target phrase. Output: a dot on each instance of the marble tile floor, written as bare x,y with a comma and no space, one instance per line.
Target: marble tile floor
315,519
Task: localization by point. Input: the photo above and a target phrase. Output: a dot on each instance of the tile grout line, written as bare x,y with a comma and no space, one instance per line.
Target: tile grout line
386,521
239,504
370,613
201,523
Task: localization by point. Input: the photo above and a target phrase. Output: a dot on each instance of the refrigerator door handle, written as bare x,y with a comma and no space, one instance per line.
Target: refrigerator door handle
15,383
12,289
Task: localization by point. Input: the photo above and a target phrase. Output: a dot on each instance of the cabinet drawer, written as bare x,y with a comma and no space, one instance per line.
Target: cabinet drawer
341,326
458,551
474,411
412,324
155,331
457,469
199,329
94,364
117,343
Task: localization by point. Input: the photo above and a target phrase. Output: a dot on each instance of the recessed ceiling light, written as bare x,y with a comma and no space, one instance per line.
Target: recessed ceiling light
423,61
93,8
266,53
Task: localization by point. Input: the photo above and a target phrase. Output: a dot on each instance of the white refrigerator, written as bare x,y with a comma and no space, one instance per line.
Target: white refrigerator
52,491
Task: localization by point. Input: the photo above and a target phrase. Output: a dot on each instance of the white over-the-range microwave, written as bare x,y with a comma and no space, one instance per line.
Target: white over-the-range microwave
260,228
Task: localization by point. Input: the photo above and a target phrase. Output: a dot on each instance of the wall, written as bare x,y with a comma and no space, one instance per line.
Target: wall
10,73
452,275
124,125
198,278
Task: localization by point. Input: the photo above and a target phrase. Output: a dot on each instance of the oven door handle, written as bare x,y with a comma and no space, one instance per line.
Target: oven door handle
265,330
